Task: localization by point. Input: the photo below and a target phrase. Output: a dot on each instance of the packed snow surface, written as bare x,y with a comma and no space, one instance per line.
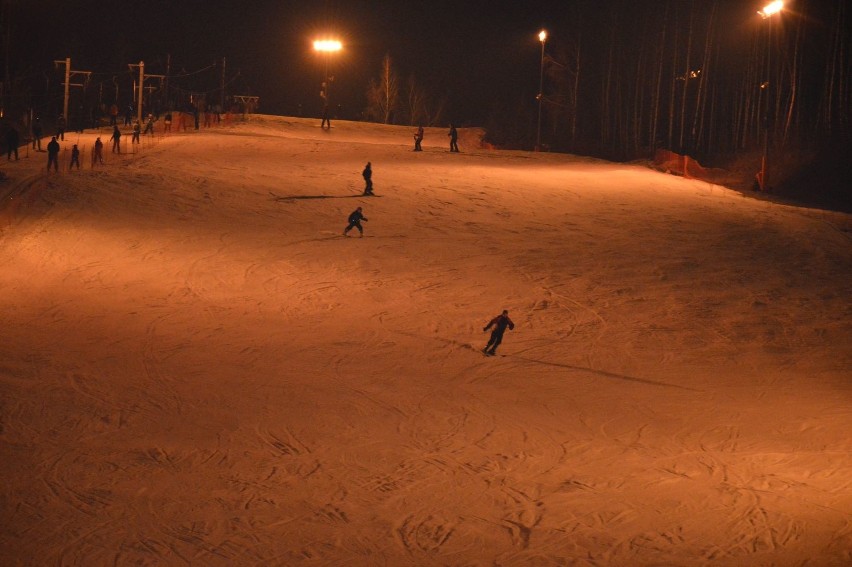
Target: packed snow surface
198,368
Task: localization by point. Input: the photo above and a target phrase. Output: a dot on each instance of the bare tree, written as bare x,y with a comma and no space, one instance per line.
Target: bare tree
383,94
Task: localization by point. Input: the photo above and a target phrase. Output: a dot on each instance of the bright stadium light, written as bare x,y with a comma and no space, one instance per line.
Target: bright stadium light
771,8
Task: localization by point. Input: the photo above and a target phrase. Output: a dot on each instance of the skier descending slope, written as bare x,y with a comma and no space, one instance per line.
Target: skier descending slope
500,322
355,221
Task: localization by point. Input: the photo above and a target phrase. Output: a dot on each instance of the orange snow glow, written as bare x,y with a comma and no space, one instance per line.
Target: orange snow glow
197,367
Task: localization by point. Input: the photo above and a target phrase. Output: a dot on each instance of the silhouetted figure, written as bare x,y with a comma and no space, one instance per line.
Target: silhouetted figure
454,136
500,322
367,174
98,154
137,129
149,126
355,221
128,115
113,114
167,121
12,141
75,158
61,124
326,119
37,133
116,140
53,154
418,137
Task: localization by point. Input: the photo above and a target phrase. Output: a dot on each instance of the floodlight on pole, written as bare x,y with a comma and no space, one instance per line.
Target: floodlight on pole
768,11
542,37
327,47
771,8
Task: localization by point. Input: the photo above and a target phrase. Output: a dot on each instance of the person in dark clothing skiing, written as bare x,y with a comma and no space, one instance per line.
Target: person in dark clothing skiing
355,221
53,154
367,174
454,136
500,322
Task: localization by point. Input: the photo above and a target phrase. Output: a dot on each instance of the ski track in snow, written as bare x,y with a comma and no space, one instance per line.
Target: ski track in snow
198,368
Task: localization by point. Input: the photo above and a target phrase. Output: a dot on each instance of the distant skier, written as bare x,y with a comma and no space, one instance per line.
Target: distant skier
37,133
418,138
149,125
137,130
454,136
75,158
53,154
98,154
60,127
13,138
355,221
116,140
367,174
500,322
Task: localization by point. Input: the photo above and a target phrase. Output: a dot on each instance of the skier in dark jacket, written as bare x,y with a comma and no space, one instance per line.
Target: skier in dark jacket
355,221
367,174
53,154
454,136
12,141
500,322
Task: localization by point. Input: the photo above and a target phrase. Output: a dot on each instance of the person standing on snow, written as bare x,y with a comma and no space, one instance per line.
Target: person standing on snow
75,158
137,129
454,136
367,174
418,137
98,154
116,140
500,322
355,221
53,154
60,127
12,141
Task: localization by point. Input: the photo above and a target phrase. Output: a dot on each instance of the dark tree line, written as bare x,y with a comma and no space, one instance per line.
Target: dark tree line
707,78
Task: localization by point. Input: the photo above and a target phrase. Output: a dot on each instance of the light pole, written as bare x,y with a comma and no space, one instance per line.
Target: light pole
326,47
542,37
768,11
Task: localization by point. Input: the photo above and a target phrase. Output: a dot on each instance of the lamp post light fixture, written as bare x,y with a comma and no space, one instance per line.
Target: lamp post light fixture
768,11
326,47
542,37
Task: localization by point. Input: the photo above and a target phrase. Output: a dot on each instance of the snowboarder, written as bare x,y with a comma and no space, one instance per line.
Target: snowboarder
500,322
53,154
454,136
355,221
367,174
418,137
75,158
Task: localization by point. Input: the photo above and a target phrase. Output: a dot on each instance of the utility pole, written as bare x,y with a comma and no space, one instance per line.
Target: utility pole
222,93
68,84
142,77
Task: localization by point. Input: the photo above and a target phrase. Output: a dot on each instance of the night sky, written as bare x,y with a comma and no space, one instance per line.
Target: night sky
468,52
